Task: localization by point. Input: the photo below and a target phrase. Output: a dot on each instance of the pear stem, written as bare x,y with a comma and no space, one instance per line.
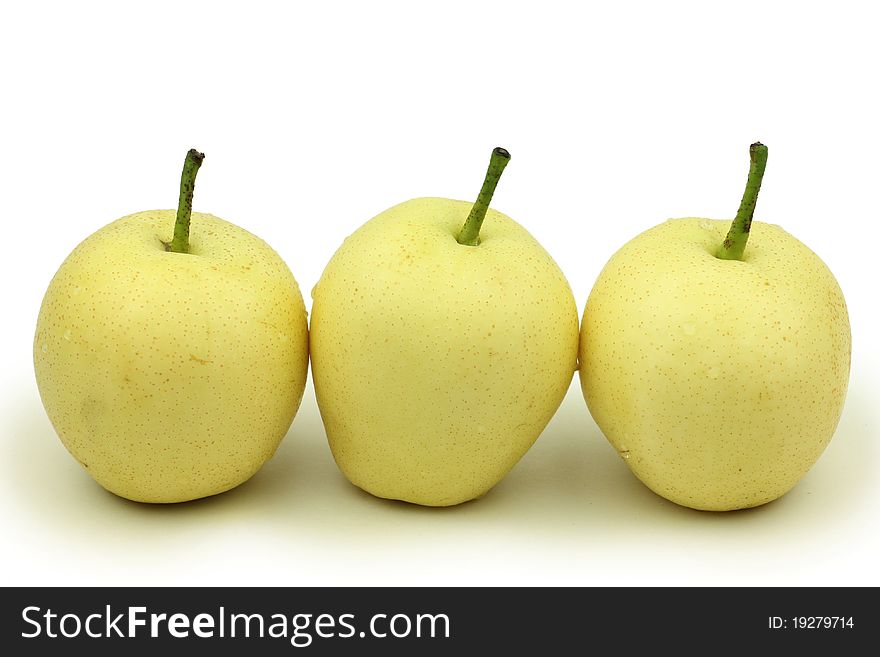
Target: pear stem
735,243
470,231
180,241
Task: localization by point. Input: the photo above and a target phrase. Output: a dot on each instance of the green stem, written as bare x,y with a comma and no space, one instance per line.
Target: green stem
180,241
735,243
470,232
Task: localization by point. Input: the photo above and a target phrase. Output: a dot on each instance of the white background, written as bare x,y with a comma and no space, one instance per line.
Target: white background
316,117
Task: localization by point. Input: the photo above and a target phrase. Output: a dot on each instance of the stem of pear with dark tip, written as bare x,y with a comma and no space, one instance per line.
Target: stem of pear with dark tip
735,243
470,231
180,241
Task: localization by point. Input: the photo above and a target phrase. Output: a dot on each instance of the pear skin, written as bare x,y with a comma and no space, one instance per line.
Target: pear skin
436,365
720,382
171,376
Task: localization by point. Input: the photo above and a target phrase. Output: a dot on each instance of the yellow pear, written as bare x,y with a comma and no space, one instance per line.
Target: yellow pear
171,368
717,372
440,352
